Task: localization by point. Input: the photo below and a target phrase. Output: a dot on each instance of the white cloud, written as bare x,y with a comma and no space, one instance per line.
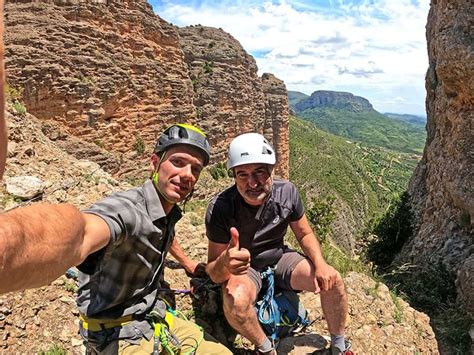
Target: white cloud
370,48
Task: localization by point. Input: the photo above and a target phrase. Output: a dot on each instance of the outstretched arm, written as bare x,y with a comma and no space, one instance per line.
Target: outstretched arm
39,243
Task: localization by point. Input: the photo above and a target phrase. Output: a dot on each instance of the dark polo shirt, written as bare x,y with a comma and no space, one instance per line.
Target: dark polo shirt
261,230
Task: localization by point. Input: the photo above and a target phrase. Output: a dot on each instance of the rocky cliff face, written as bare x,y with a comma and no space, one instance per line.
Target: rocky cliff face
115,74
442,187
334,99
229,96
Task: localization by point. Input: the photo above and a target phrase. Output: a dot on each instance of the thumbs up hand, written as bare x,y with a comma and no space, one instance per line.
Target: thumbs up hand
236,260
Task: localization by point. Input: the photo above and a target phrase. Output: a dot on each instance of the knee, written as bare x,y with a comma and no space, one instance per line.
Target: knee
238,297
338,287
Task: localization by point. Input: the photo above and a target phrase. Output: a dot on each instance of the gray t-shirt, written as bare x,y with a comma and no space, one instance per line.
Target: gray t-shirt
261,230
122,278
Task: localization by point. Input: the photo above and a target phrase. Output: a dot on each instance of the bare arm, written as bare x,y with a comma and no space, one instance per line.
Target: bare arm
216,262
39,243
325,274
307,240
178,253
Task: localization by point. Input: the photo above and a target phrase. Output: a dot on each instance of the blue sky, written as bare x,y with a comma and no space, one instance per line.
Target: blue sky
375,49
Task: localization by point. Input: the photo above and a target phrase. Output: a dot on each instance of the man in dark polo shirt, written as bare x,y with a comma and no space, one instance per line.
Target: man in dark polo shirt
246,225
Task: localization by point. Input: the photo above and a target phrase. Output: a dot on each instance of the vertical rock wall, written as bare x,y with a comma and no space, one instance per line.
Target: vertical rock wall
276,126
115,74
107,72
442,187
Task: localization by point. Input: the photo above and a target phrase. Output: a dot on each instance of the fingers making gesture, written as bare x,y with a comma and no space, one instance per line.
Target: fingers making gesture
237,260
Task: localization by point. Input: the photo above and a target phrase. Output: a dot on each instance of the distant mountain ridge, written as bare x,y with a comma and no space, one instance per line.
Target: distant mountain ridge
413,119
347,115
294,97
335,99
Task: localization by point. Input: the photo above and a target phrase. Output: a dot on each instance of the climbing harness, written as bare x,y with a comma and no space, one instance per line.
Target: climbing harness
164,340
164,337
96,325
280,313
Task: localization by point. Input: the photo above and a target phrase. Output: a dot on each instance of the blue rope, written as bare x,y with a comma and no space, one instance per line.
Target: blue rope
268,308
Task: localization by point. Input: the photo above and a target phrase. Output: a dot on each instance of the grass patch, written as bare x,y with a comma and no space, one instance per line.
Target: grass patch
199,207
135,180
70,286
19,107
54,349
372,291
341,261
139,144
219,171
398,313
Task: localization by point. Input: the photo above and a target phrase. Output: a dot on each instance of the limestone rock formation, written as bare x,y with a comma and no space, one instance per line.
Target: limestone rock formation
115,74
229,96
64,178
335,99
276,121
442,188
107,72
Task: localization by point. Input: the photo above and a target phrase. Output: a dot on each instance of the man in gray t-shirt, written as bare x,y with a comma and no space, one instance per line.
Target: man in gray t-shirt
246,225
131,233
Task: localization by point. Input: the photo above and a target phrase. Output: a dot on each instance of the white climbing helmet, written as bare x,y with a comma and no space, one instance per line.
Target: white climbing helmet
250,148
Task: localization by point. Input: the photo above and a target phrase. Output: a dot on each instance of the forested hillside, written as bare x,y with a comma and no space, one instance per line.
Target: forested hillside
353,117
363,179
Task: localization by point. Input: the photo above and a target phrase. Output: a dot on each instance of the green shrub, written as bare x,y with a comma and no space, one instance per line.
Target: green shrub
207,67
321,215
98,143
195,82
70,286
19,107
139,145
54,349
392,230
13,93
219,171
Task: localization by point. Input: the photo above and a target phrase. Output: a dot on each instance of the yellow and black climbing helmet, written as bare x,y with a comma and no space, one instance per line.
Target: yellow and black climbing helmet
184,134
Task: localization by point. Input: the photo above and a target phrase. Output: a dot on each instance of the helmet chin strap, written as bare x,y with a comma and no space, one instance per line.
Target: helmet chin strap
154,178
